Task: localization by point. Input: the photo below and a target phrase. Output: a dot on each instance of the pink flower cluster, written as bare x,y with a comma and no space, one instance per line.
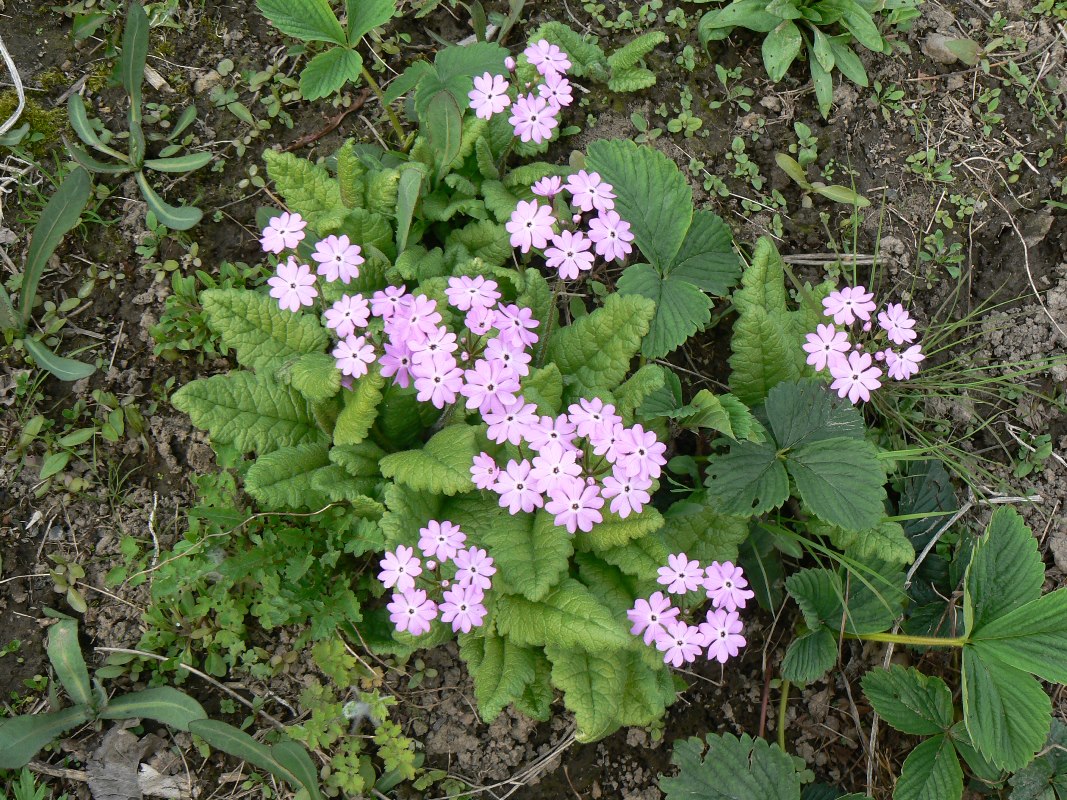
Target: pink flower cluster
852,369
572,464
570,251
679,641
535,110
460,604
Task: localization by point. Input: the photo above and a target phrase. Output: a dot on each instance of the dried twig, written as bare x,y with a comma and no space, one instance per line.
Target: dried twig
9,123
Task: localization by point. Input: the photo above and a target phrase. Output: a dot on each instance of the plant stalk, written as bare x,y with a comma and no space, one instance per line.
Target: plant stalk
783,704
920,641
393,119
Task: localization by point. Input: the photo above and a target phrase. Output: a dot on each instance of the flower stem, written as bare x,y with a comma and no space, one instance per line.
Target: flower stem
783,704
393,119
919,641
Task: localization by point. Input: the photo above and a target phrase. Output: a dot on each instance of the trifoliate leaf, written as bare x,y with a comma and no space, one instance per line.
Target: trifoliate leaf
707,258
309,20
569,617
681,308
326,73
1006,711
910,701
501,671
810,656
723,413
886,541
594,353
862,604
1032,638
805,411
931,772
841,480
531,552
442,465
249,411
307,189
732,769
1005,571
360,409
284,478
264,336
748,480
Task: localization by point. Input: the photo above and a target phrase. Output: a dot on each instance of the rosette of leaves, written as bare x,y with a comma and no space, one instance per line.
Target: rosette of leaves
622,71
824,31
1013,636
131,72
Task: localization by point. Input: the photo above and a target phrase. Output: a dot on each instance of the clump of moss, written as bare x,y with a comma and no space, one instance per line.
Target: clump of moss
47,126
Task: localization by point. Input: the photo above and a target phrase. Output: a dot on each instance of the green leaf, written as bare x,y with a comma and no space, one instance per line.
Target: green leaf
309,20
501,671
360,409
442,465
731,769
443,124
582,50
1005,571
1045,778
66,369
594,352
931,772
180,164
910,701
327,72
884,542
295,758
307,188
749,480
1032,638
651,194
804,412
134,55
824,53
707,258
408,190
569,616
1006,711
248,411
702,532
792,168
681,308
636,389
470,61
846,60
531,552
163,704
614,532
810,656
9,319
65,655
857,606
841,480
264,336
366,15
282,479
54,463
237,743
59,216
544,388
858,21
780,48
315,376
359,461
631,53
21,737
842,194
178,218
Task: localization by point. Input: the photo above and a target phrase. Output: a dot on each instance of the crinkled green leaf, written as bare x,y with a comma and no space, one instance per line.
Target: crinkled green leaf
544,388
614,531
263,335
841,480
249,411
636,389
360,461
909,700
569,616
283,478
501,671
886,542
581,50
594,352
702,532
640,558
631,53
931,772
810,656
731,769
360,409
307,189
631,79
442,465
531,552
407,511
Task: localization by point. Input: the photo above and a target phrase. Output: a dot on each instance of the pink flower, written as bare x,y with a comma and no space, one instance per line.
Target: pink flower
680,643
576,505
569,254
612,236
400,569
533,118
554,467
354,356
437,380
508,423
851,302
549,431
548,186
412,611
592,416
897,322
283,232
510,354
489,384
439,340
682,575
474,568
516,488
466,293
293,286
338,258
509,64
418,313
489,95
556,89
825,345
463,607
397,362
516,325
484,471
480,321
589,191
855,377
722,634
651,616
530,225
441,540
726,584
639,453
385,303
546,57
347,314
903,365
627,494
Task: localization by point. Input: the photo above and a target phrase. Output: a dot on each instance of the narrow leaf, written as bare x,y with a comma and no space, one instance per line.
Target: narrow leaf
163,704
66,369
22,737
65,655
178,218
